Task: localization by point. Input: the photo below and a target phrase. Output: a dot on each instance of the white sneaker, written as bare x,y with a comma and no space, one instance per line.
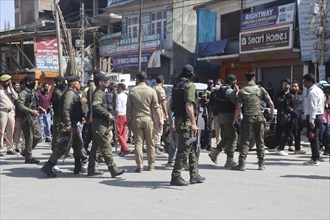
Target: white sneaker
311,162
56,169
282,153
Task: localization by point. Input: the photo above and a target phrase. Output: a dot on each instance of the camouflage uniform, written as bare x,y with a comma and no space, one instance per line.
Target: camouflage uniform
27,101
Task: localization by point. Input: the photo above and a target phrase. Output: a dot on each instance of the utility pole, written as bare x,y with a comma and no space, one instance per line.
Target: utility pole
59,40
82,40
140,38
323,27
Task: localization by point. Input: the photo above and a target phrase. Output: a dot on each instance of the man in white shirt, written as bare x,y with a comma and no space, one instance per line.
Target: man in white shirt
314,108
7,112
121,128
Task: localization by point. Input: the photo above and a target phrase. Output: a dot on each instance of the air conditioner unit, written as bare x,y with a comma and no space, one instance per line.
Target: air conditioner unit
315,9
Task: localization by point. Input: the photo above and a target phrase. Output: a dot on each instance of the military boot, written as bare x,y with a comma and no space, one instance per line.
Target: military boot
230,162
116,172
77,166
47,169
261,164
214,155
240,166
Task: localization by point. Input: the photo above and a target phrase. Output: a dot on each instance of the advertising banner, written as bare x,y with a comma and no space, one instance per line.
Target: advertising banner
279,15
46,53
131,61
270,39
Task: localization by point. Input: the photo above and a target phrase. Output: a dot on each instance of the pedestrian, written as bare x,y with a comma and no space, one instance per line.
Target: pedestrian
173,137
141,102
314,109
121,119
249,102
225,100
285,107
325,133
206,143
28,111
18,133
183,106
103,120
7,113
70,114
158,132
214,112
44,99
297,121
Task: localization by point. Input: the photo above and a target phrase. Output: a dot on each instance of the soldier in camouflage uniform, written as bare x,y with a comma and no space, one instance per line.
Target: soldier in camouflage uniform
249,100
185,124
70,114
55,100
28,112
101,127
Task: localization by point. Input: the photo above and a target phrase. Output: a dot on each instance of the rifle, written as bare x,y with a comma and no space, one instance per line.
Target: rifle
68,146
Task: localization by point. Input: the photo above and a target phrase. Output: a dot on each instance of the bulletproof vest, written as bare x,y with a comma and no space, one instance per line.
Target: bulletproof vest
178,106
31,101
223,105
252,101
55,100
76,112
106,104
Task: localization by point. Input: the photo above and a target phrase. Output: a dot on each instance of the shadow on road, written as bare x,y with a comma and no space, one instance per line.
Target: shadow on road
139,184
314,177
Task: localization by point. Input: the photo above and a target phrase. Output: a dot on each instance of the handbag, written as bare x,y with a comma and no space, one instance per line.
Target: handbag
284,118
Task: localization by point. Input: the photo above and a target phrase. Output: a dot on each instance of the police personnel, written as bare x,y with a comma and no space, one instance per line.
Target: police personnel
55,100
101,128
70,114
225,99
28,111
249,101
157,134
141,102
183,106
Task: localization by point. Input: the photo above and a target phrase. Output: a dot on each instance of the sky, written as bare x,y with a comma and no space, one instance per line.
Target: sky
7,13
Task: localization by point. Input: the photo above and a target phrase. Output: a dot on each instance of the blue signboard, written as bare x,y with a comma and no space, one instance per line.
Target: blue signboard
268,17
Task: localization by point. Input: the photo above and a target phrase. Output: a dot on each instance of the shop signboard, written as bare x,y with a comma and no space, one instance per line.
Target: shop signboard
269,39
124,51
279,15
46,53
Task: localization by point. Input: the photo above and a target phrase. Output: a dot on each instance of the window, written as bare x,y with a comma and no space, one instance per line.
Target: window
230,25
133,27
158,24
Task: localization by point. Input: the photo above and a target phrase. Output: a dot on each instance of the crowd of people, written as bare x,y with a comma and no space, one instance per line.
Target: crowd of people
91,120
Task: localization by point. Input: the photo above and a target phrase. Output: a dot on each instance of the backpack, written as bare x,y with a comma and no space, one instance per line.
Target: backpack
178,105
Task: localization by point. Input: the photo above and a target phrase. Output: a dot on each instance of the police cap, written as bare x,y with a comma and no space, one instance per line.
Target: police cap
210,81
72,78
101,77
59,79
5,77
231,77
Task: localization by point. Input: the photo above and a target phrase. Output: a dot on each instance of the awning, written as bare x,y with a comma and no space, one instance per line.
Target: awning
214,48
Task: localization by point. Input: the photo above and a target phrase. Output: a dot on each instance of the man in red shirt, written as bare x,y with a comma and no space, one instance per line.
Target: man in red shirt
44,98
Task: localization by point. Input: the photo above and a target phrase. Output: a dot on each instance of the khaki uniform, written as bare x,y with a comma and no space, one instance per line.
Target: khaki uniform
158,132
142,100
253,119
183,127
102,137
27,101
7,115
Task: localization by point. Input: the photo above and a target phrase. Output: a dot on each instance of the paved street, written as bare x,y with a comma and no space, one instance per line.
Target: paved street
285,190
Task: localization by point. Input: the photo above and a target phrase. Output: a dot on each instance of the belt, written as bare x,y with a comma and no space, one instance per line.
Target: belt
6,110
